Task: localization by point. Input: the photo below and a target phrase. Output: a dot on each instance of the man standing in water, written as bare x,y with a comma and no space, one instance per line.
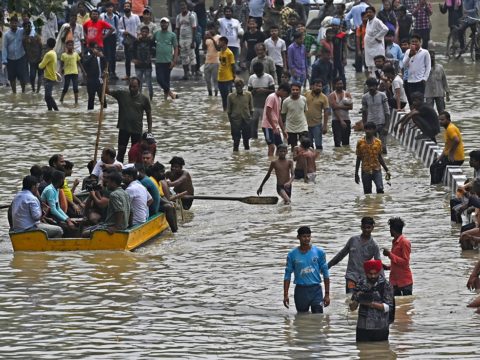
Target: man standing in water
360,248
180,180
307,262
166,55
49,63
377,304
13,55
293,114
400,274
369,154
131,106
453,153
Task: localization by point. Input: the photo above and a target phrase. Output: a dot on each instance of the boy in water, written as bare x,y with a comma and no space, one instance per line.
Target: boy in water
284,172
305,157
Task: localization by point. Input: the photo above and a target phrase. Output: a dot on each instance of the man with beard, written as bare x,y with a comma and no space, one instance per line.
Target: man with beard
131,106
374,42
377,304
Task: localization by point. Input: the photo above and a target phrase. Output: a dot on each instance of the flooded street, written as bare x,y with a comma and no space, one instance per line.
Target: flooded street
215,289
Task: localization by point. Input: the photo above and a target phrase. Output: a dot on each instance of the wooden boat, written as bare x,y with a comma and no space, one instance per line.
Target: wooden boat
127,240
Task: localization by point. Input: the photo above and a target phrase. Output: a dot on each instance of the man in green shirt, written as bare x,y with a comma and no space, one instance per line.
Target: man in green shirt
166,56
131,106
240,111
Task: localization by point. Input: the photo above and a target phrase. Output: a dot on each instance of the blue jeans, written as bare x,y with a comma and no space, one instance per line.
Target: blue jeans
145,76
315,135
225,88
236,53
307,297
298,79
367,179
51,104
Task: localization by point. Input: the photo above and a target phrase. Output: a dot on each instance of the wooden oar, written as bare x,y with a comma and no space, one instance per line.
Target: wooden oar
4,206
251,200
100,114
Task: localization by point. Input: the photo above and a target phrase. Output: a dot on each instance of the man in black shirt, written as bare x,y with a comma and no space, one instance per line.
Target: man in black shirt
423,116
251,38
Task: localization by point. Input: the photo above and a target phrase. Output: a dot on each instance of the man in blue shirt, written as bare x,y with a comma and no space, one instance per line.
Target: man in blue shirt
27,211
13,55
306,262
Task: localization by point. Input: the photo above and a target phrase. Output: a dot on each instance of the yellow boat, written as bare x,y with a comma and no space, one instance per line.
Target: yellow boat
127,240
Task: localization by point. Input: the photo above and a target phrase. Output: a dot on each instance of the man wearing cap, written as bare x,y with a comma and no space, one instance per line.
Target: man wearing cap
307,262
166,46
148,143
377,304
147,21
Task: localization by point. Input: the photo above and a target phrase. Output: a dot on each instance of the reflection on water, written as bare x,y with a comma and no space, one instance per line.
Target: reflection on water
214,289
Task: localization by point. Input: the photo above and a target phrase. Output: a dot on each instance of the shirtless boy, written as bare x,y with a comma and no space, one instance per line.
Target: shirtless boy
305,156
284,172
180,180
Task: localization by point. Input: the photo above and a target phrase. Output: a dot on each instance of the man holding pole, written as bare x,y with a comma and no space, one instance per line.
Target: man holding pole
131,106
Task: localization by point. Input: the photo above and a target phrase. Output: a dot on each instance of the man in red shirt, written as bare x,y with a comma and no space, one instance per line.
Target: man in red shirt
148,143
400,274
94,29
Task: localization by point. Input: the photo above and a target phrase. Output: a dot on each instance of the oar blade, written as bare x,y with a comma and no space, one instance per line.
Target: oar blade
260,200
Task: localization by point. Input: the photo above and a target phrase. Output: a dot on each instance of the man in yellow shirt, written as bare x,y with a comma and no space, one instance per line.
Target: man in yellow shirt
226,70
453,153
49,65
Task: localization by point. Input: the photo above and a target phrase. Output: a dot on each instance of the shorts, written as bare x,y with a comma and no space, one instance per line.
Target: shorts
299,174
272,138
187,54
17,69
293,138
307,297
372,334
187,203
287,190
403,291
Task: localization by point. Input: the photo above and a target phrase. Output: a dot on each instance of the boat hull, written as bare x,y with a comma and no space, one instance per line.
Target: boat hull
37,240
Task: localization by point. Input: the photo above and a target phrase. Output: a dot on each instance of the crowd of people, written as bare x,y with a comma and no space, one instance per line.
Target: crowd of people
267,48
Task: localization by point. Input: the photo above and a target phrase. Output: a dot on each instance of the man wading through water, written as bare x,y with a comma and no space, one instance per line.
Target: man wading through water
131,106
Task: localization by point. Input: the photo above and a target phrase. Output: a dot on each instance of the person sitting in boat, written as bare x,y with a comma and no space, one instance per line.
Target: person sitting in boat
140,199
106,161
148,142
119,215
167,200
74,205
27,211
151,188
148,158
180,180
50,196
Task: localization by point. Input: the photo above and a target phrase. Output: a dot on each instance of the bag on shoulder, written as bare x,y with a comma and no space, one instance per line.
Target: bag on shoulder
128,39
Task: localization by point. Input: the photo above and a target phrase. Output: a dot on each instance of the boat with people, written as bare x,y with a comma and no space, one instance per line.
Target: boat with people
125,240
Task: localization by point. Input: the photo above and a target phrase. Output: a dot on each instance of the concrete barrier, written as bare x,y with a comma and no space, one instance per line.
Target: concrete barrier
425,150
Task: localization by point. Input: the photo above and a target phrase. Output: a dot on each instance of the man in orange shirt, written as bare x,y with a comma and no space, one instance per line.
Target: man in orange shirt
400,274
138,6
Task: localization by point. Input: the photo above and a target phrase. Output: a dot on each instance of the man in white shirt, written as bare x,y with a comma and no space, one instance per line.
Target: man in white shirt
186,27
50,26
128,29
107,161
260,85
231,29
277,50
140,198
418,65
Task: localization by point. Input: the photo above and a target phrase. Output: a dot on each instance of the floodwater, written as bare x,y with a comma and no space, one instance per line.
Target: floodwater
214,289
